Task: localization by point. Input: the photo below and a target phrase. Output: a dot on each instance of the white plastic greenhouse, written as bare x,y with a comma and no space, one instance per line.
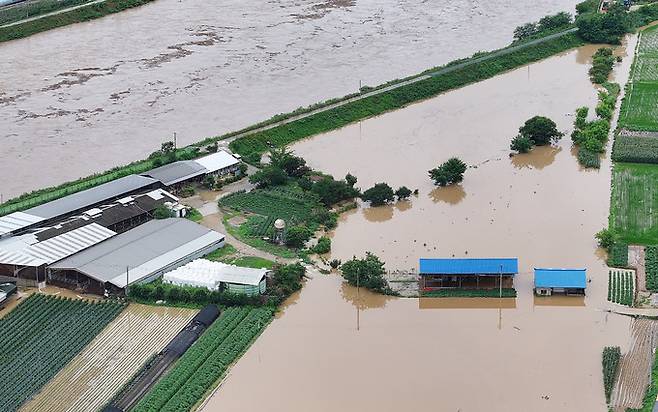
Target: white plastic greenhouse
212,275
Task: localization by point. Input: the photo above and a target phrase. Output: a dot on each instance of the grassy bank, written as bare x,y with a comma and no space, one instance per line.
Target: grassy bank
91,12
257,143
470,293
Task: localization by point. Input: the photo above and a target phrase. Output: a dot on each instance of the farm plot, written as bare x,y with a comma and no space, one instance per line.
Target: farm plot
110,360
639,109
634,203
649,41
621,286
287,202
636,149
651,267
201,367
635,366
40,337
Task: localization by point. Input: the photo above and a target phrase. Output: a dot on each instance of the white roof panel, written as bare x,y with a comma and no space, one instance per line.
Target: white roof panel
17,220
69,243
205,273
217,161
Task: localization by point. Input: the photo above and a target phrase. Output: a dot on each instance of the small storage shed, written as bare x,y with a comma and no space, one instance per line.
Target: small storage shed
560,281
472,273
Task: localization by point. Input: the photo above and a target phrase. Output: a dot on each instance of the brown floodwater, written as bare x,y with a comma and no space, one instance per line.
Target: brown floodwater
90,96
523,354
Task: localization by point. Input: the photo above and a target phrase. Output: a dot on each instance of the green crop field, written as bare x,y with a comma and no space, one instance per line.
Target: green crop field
639,109
40,337
289,203
634,203
651,266
636,149
621,286
201,367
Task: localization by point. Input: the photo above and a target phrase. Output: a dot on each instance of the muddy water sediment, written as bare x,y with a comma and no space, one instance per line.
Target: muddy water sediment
521,354
90,96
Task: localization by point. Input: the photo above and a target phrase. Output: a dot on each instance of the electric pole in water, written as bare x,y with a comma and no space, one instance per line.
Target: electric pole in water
358,298
175,141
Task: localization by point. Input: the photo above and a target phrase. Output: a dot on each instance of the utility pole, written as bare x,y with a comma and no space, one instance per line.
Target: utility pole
358,298
175,146
500,300
127,282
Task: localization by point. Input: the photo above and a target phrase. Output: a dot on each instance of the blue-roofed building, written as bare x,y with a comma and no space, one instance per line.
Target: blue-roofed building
562,281
474,273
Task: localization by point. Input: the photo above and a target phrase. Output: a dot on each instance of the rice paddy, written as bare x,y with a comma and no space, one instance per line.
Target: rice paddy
640,107
634,203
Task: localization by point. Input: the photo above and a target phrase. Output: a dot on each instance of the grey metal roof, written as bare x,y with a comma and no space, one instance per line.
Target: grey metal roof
90,197
17,220
143,250
173,173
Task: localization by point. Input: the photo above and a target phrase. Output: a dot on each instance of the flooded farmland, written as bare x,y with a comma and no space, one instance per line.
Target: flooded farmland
457,354
200,69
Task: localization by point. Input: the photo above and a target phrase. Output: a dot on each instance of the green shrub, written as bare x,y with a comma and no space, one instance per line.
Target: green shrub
602,62
323,246
587,158
521,144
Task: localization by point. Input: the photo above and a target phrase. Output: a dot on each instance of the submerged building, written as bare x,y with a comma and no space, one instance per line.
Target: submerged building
470,273
560,281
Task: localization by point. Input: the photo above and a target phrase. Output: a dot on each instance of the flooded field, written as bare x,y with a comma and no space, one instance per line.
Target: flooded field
201,69
110,360
523,354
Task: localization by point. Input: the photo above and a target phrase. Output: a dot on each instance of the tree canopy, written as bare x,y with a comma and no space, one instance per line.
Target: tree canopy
604,28
403,193
541,130
450,172
368,272
379,194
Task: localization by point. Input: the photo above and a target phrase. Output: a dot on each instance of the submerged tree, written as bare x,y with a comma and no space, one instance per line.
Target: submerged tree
541,130
521,144
367,272
379,194
403,193
450,172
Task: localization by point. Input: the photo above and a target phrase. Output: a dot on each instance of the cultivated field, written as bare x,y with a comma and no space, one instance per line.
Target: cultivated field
40,337
635,366
621,286
640,107
206,361
634,203
110,360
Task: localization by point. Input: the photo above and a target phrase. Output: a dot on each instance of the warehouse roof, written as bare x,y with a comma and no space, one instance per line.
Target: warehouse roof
88,198
176,172
145,250
27,250
560,278
460,266
17,220
217,161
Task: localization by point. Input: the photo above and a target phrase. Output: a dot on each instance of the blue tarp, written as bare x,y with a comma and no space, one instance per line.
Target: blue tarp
456,266
560,278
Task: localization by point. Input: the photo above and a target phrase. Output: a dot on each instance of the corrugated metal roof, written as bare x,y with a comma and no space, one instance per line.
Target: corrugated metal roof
560,278
176,172
208,274
87,198
17,220
217,161
26,250
146,249
468,266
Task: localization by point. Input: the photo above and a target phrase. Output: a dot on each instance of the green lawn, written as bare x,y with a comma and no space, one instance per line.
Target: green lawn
253,262
634,203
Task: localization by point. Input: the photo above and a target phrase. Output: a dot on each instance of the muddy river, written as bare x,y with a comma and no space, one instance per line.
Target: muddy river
525,354
84,98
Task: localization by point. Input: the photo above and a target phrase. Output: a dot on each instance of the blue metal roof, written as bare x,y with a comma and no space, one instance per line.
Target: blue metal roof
457,266
560,278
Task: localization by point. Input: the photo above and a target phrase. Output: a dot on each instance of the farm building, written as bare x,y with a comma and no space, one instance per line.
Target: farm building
175,175
139,255
6,290
467,273
75,203
27,256
560,281
217,275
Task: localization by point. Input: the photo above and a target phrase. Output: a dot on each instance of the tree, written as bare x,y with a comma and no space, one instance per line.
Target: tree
606,238
212,148
604,28
162,212
333,191
521,144
450,172
524,31
379,194
209,182
403,193
367,272
323,246
268,176
350,179
541,130
555,21
297,236
288,279
294,166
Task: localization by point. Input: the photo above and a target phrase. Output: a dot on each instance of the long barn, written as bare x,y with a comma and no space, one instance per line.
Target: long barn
468,273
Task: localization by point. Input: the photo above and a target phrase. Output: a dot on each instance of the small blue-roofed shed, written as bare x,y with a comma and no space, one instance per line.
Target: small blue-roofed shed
467,272
563,281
